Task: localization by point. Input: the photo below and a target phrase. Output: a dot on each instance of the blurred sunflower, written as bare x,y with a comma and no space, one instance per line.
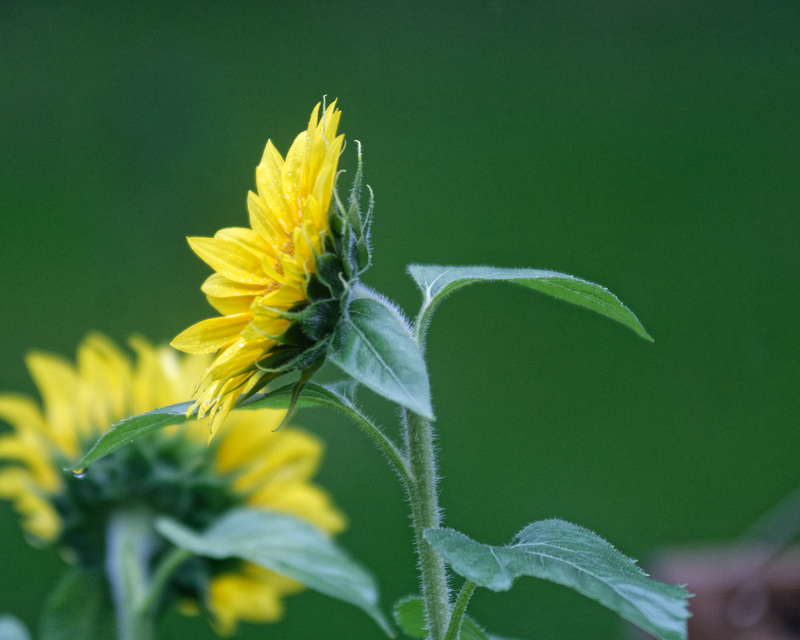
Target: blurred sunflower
172,472
280,284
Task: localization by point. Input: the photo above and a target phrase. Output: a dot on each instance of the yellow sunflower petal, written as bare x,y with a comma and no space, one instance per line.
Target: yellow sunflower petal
245,238
230,259
251,596
269,184
305,501
31,451
231,305
57,382
105,375
210,335
264,222
39,517
221,287
22,413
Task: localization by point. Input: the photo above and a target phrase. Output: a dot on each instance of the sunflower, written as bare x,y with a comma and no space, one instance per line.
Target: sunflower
172,472
280,283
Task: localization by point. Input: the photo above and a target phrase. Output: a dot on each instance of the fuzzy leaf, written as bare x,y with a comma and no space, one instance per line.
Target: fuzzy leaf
437,282
373,345
575,557
79,607
410,617
286,545
12,629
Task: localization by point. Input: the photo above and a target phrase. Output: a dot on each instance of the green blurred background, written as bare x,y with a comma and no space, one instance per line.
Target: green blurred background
653,147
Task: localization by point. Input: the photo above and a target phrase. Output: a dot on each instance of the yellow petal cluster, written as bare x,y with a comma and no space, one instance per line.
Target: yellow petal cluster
262,272
270,470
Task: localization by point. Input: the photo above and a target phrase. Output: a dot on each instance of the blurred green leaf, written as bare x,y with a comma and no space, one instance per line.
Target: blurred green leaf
373,344
409,614
410,617
13,629
437,282
286,545
575,557
79,607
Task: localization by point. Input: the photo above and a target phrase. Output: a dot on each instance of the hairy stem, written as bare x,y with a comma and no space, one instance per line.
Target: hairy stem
423,496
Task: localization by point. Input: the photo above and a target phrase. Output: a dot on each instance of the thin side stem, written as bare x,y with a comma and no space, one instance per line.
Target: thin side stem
129,547
423,496
398,461
161,576
459,609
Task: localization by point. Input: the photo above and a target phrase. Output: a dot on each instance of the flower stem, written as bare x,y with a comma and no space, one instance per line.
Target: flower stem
163,573
130,544
423,496
459,609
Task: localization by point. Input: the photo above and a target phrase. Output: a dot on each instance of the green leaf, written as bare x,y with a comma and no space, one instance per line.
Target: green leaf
373,345
79,607
135,427
12,629
575,557
287,546
410,617
132,428
437,282
409,614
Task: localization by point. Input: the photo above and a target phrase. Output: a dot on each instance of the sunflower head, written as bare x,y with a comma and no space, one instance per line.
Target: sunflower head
171,472
280,285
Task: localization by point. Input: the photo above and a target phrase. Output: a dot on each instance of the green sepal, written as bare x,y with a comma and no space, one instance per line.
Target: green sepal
363,248
297,388
575,557
337,219
320,318
294,336
284,358
353,211
329,271
348,251
287,545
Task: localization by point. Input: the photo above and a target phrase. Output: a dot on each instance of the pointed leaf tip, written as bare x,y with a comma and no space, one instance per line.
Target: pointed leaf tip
437,282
